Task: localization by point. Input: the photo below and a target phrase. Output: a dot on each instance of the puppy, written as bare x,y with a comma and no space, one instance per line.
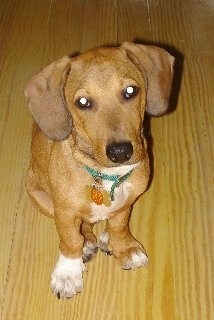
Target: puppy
89,156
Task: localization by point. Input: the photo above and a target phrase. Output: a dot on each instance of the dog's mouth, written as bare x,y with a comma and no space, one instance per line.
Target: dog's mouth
109,154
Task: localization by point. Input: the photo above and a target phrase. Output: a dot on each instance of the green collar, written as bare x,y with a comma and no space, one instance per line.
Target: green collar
116,179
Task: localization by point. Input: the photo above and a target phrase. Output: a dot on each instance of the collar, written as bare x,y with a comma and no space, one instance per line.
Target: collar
116,179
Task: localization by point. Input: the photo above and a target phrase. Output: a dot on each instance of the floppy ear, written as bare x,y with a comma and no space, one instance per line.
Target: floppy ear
157,66
45,97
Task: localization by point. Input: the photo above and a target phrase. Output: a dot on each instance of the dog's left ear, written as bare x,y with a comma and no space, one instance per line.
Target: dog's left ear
156,64
46,101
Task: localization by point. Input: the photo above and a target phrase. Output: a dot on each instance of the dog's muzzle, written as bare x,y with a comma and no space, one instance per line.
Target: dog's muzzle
119,152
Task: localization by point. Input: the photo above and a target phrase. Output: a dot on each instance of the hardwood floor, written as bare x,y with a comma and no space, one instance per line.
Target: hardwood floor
174,219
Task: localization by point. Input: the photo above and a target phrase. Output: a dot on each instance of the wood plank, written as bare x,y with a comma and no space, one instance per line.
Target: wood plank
15,124
133,21
99,24
190,153
63,31
191,203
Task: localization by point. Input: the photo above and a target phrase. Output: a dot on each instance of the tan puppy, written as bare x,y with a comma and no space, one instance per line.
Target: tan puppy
89,156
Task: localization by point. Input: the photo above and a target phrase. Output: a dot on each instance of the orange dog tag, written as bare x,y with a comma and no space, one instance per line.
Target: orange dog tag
97,196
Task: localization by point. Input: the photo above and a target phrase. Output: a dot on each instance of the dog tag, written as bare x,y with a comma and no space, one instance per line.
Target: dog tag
98,196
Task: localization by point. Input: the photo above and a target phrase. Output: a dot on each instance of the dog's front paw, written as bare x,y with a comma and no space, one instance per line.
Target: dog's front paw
135,259
89,251
66,280
104,240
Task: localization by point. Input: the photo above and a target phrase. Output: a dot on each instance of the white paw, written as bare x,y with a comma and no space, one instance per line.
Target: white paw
136,260
66,279
104,240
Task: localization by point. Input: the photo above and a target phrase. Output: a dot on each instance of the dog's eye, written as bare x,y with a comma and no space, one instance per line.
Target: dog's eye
83,103
130,92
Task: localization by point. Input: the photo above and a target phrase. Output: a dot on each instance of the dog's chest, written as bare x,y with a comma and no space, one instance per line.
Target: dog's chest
120,191
102,212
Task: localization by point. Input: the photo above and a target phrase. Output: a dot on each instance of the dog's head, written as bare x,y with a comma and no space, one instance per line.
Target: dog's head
100,98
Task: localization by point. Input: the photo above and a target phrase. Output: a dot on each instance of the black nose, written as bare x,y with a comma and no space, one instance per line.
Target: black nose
119,152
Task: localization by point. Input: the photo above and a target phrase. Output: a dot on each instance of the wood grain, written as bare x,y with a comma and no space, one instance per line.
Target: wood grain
174,219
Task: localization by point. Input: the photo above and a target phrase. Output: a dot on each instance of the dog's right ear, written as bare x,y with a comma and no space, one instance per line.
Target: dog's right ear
156,65
46,101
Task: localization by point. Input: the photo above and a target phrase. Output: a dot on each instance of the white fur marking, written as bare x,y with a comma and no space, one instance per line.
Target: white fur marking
137,260
104,238
66,279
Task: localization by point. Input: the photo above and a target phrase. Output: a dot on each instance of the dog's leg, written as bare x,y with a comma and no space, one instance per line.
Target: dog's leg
90,242
66,279
40,198
118,240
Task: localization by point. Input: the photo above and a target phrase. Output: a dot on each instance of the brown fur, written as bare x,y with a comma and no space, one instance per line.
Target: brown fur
66,138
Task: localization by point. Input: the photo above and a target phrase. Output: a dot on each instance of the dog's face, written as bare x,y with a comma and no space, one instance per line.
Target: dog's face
100,97
106,96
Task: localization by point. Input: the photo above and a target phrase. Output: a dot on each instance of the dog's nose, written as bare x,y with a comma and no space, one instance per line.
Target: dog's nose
119,152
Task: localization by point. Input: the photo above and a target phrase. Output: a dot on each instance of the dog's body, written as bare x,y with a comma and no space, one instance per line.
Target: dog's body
89,156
